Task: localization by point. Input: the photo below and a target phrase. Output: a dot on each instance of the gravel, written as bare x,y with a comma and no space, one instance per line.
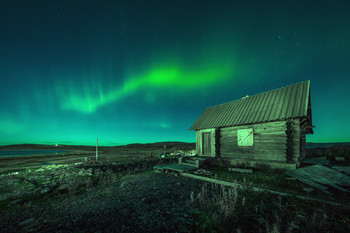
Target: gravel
143,202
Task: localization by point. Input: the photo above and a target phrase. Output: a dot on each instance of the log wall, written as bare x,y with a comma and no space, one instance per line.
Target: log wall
270,143
305,128
302,145
296,141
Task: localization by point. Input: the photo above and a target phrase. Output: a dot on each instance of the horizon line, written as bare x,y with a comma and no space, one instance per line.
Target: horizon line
122,144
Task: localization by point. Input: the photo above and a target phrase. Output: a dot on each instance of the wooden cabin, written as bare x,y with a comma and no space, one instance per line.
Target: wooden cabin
268,128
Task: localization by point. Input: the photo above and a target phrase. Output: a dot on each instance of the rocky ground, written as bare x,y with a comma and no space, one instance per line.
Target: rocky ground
142,202
131,197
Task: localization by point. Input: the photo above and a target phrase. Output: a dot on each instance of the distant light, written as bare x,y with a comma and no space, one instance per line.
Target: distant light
56,144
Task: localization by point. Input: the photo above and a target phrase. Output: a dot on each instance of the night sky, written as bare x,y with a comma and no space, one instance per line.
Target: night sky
143,71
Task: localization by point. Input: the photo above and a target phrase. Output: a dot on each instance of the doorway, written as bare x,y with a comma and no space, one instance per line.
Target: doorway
206,144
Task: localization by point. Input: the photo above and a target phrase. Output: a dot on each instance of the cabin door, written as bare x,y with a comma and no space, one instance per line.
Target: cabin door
206,144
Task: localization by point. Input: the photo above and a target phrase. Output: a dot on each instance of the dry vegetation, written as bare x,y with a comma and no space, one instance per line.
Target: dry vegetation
233,210
208,208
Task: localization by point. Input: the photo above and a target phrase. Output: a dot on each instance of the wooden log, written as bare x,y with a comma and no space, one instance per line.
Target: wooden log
263,126
270,140
270,124
256,157
275,133
272,143
256,161
256,130
278,155
279,141
261,157
271,148
271,134
256,134
269,130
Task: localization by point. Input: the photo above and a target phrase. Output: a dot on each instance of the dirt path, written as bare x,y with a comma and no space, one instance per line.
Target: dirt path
144,202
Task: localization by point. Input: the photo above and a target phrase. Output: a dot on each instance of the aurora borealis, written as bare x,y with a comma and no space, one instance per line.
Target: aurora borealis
143,71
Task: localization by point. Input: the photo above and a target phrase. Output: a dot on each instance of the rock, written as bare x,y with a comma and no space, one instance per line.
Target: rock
45,190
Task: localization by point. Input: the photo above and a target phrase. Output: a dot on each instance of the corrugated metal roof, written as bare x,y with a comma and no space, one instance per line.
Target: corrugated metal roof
278,104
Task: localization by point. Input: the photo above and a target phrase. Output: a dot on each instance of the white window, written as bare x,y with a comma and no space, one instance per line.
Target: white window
245,137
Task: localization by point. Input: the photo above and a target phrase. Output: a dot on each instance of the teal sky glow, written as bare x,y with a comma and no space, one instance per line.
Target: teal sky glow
143,71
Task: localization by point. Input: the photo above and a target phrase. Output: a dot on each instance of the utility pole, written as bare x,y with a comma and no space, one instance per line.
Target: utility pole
96,149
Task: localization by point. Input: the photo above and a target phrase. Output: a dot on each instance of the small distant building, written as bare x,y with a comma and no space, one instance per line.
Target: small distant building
269,128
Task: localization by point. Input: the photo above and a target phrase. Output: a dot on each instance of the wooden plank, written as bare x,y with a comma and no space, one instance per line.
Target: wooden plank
178,167
231,169
236,185
317,160
331,175
345,170
301,178
322,176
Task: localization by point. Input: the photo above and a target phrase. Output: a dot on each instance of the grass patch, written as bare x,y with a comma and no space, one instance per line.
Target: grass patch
223,209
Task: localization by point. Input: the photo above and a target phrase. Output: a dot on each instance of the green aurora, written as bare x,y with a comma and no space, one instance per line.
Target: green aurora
94,96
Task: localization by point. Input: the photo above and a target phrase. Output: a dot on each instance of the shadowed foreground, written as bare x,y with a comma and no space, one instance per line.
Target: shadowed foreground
146,202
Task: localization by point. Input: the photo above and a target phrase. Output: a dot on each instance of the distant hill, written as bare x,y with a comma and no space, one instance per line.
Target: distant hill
312,145
156,145
160,145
